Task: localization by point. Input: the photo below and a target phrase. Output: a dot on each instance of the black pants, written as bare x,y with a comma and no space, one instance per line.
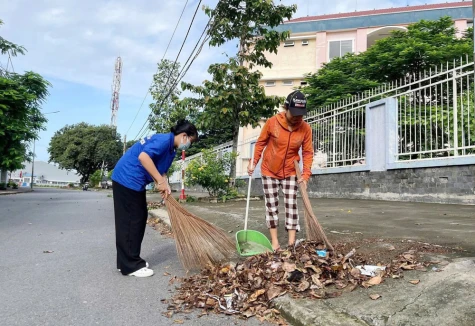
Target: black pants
130,209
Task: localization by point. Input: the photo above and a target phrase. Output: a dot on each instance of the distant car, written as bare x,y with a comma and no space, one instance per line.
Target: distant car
106,184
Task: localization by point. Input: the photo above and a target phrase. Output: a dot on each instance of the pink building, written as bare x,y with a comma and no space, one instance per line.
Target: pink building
316,40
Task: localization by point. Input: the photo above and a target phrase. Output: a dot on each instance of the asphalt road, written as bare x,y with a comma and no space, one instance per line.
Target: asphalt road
77,283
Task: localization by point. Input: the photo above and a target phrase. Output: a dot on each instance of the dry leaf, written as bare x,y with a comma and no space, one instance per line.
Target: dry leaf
248,313
317,282
168,314
274,291
304,285
178,321
166,274
288,267
374,296
375,280
355,272
408,267
48,251
408,257
256,294
415,282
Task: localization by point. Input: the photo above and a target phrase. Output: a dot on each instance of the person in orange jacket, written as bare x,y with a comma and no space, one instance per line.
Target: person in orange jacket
282,136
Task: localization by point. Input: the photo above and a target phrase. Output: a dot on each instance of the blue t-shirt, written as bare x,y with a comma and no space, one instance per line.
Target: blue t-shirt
130,173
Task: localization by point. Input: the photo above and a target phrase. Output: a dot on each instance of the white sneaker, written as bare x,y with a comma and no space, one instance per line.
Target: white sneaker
143,272
146,265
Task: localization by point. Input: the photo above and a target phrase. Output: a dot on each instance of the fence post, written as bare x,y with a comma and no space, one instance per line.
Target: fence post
381,134
455,112
334,140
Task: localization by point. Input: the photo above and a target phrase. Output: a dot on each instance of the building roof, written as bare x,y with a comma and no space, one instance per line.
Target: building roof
378,18
383,11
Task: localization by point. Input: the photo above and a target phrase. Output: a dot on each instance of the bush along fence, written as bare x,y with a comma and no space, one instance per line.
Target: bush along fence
412,140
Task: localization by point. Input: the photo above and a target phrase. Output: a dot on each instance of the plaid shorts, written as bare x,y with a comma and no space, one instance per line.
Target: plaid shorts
289,187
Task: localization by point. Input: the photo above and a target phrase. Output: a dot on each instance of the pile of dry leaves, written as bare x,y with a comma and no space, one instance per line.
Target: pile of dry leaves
249,287
154,205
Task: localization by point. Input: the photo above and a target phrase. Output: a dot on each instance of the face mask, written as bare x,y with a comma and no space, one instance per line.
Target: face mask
184,146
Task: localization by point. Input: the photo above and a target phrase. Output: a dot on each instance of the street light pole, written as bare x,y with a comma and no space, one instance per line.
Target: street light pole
33,165
33,161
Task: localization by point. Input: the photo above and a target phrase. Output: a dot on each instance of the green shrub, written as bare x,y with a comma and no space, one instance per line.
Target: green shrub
211,172
3,186
14,185
95,179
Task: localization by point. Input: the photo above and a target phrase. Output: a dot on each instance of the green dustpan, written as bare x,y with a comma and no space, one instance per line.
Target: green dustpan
249,242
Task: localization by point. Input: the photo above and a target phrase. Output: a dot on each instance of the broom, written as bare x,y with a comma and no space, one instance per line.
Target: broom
198,242
312,227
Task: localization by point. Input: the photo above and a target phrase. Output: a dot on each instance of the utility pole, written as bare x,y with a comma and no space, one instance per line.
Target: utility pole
125,143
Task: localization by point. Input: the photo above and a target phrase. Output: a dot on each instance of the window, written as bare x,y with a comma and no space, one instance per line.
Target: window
288,82
270,83
303,83
289,43
305,42
340,48
253,145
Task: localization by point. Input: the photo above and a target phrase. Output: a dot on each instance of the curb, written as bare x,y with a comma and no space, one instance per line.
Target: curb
5,193
300,312
161,214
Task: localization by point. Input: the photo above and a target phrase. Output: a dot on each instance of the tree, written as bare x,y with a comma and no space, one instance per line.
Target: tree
7,47
234,94
337,79
403,55
84,148
251,22
425,44
21,97
166,109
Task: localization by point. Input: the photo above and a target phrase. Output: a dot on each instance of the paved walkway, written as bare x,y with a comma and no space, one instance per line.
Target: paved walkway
442,298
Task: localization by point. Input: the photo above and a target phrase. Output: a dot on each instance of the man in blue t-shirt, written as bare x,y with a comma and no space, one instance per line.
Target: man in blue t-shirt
146,161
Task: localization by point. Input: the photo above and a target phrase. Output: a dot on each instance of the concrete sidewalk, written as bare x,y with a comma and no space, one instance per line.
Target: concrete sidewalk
441,298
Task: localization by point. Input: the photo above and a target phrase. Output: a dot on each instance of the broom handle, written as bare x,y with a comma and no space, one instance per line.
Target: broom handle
248,194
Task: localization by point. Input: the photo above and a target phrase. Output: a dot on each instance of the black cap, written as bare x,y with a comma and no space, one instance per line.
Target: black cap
297,103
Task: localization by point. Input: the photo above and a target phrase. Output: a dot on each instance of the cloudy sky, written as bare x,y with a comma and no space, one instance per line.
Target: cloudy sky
74,44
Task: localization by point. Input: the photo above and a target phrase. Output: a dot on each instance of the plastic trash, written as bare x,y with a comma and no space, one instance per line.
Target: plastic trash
322,253
370,270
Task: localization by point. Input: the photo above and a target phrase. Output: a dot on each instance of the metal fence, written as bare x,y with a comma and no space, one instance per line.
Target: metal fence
436,115
435,118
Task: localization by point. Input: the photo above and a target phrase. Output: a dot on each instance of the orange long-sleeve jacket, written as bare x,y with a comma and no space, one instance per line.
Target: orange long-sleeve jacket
282,148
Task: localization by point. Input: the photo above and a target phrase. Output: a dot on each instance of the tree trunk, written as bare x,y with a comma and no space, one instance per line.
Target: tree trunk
232,174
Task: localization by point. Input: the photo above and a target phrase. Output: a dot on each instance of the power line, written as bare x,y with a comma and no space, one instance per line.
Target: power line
11,62
182,73
164,54
174,64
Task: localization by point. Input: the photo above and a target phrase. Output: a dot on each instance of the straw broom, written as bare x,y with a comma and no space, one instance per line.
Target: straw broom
198,242
312,227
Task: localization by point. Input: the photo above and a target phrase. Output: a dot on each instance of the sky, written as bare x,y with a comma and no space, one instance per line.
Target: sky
74,45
